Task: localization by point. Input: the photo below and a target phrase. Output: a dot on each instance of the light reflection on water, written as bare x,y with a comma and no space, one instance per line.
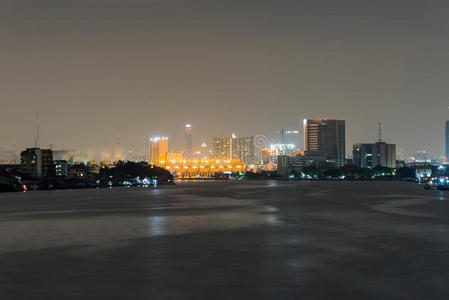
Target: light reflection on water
181,224
442,195
157,225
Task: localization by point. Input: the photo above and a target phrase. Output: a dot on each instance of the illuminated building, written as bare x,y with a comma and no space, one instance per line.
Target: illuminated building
37,162
204,168
188,142
268,155
61,168
283,149
175,156
204,152
233,147
326,138
158,150
373,155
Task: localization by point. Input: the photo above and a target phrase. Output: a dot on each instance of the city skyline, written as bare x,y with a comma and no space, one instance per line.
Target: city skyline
126,152
221,66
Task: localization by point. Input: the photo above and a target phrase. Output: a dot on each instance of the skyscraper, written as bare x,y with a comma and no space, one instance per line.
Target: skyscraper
158,150
204,154
447,139
188,152
233,147
326,138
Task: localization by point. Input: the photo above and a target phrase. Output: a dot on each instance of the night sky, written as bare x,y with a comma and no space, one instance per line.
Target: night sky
97,68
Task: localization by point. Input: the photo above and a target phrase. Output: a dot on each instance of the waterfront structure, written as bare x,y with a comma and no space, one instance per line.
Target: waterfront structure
233,147
37,162
204,168
374,155
326,138
188,150
158,150
423,171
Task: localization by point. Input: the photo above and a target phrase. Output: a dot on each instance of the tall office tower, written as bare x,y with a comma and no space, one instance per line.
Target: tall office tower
220,149
325,138
233,147
447,140
204,152
158,150
188,151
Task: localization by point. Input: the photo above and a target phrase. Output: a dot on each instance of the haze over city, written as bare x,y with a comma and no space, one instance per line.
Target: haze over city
224,149
95,69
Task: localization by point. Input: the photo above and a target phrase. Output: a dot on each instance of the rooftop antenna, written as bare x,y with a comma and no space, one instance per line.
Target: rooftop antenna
379,125
36,141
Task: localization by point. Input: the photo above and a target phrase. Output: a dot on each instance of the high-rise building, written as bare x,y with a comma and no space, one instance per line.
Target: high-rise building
326,138
374,155
188,151
233,147
37,162
158,150
204,152
447,140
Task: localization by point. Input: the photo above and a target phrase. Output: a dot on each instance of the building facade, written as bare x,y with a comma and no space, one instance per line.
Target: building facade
326,138
374,155
61,168
37,162
175,156
158,149
234,148
188,150
203,169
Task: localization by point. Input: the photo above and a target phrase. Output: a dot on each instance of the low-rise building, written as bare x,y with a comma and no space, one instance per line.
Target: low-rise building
378,154
37,162
61,168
